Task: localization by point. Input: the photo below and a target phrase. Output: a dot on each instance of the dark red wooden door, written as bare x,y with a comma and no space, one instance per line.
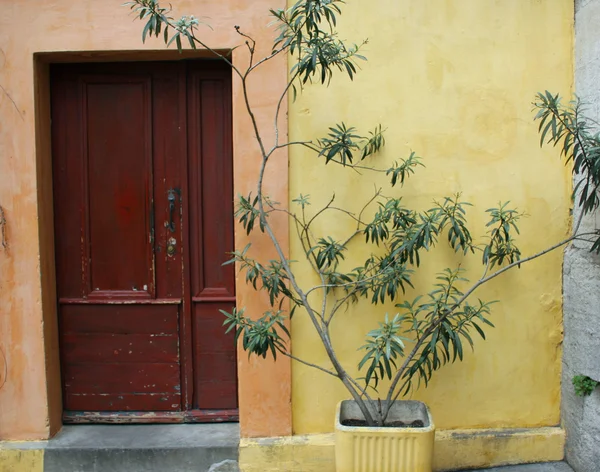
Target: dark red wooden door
143,183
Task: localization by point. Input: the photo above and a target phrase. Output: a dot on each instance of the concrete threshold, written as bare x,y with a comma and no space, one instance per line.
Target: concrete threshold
142,448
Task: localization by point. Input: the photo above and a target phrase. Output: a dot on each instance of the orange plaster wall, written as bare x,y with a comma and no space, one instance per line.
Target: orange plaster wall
30,396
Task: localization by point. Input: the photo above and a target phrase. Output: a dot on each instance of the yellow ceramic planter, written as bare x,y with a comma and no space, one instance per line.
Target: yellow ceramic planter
362,449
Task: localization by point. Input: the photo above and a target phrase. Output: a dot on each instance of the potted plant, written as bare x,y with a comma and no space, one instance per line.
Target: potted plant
375,430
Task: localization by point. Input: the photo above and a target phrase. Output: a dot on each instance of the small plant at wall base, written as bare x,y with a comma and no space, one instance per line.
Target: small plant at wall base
428,331
584,386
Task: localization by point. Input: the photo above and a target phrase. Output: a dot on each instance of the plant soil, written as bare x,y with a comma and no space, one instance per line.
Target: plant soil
390,424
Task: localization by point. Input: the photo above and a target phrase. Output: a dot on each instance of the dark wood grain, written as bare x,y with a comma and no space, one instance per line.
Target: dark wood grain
121,378
211,201
140,327
123,402
166,417
211,180
68,174
120,348
215,358
119,147
119,319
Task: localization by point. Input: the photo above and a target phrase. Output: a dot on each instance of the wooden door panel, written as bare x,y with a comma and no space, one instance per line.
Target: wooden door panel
121,348
119,161
170,173
211,181
123,402
216,191
122,378
114,352
217,366
211,234
69,213
114,318
219,395
210,326
215,363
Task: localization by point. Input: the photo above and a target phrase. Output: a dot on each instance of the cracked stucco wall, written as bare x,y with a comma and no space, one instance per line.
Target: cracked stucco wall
581,416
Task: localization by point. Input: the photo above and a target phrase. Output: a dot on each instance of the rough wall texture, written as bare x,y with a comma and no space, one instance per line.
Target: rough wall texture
453,82
581,416
30,404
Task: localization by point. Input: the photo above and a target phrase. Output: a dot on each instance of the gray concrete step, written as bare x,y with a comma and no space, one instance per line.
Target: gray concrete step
141,448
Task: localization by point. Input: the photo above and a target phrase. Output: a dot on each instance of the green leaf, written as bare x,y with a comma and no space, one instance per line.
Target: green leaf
479,330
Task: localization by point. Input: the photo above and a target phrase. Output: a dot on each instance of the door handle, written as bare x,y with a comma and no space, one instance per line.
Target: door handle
172,198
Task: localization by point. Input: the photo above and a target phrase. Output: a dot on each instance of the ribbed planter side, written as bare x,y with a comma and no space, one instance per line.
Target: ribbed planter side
366,449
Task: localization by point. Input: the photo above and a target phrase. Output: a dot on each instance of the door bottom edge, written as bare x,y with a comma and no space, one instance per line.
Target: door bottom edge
150,417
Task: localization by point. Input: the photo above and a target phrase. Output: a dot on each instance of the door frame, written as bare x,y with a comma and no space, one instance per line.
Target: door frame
263,386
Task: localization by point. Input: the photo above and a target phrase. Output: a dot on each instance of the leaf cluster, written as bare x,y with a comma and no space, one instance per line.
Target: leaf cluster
384,347
271,277
327,253
407,232
584,385
404,169
381,277
344,145
443,322
501,246
248,214
260,336
307,30
566,127
158,21
342,142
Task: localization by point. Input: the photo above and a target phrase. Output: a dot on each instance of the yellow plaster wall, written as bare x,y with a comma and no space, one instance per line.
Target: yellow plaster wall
453,450
21,460
454,81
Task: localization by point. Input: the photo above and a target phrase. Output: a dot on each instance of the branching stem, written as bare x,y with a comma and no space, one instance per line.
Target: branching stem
433,326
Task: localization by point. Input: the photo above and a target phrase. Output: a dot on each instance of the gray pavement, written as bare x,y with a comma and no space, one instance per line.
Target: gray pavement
543,467
161,448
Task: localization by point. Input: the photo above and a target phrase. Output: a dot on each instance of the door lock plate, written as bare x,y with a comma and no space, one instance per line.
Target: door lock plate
171,247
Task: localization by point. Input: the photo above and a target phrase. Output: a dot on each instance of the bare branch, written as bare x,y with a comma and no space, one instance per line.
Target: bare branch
251,44
294,143
316,215
268,58
340,303
309,364
279,103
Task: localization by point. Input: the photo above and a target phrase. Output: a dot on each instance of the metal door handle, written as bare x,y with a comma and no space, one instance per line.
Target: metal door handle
172,197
